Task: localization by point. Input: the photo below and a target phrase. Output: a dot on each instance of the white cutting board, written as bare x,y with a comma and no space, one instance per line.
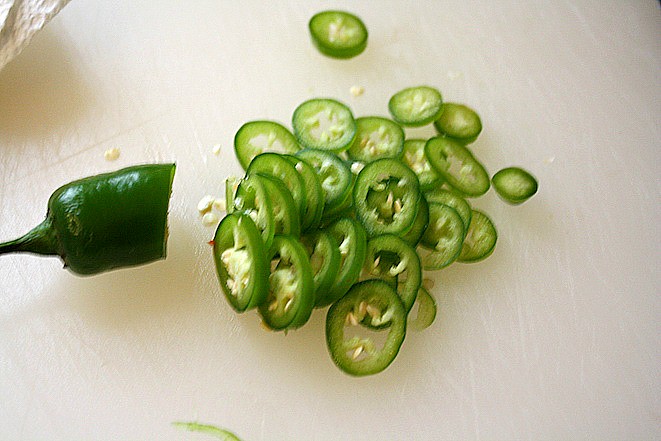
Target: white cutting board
556,336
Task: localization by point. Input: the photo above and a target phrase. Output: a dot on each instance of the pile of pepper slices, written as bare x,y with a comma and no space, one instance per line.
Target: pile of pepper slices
346,212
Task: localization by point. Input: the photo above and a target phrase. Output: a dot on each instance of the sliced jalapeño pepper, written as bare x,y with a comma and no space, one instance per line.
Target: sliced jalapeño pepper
416,106
285,213
334,174
241,263
452,199
444,237
459,122
277,166
251,198
103,222
425,313
413,235
324,124
457,165
376,137
338,34
386,197
352,240
514,185
314,193
256,137
325,260
480,240
290,297
352,345
390,256
413,155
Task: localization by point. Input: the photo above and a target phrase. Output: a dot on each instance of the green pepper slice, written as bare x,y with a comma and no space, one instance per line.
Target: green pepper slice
390,256
457,165
325,260
416,106
338,34
414,234
241,265
352,345
275,165
514,185
290,298
324,124
256,137
314,194
376,137
480,240
459,122
252,198
285,214
461,205
352,240
386,197
413,155
425,313
444,237
335,176
103,222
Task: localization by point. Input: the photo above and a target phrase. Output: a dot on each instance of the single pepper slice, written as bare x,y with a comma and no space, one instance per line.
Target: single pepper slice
324,124
277,166
480,239
457,165
452,199
290,297
241,265
386,197
352,240
256,137
354,350
107,221
390,256
314,193
444,237
325,260
514,185
376,137
416,106
338,34
413,155
285,213
414,234
334,174
251,197
459,122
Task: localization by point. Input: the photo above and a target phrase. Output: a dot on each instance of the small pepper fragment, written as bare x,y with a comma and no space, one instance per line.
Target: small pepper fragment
103,222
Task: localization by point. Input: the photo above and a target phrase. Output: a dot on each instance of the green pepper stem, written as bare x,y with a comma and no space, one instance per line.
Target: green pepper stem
40,240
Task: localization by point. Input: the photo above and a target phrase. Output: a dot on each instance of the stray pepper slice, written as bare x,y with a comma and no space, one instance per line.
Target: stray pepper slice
290,298
239,254
107,221
351,343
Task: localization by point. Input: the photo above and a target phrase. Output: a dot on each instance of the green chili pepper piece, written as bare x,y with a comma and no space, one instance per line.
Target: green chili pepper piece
103,222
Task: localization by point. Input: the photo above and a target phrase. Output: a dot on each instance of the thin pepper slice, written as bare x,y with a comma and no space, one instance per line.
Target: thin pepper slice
107,221
386,195
241,265
352,240
256,137
457,165
351,344
390,256
480,240
443,238
325,260
290,298
459,122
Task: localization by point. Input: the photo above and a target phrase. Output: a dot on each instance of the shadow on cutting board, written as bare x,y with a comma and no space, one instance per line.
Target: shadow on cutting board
41,90
130,297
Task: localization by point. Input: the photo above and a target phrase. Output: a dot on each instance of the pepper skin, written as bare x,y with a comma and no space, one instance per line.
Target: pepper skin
104,222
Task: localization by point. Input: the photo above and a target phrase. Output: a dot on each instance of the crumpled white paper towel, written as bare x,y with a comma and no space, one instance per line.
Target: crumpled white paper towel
20,20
